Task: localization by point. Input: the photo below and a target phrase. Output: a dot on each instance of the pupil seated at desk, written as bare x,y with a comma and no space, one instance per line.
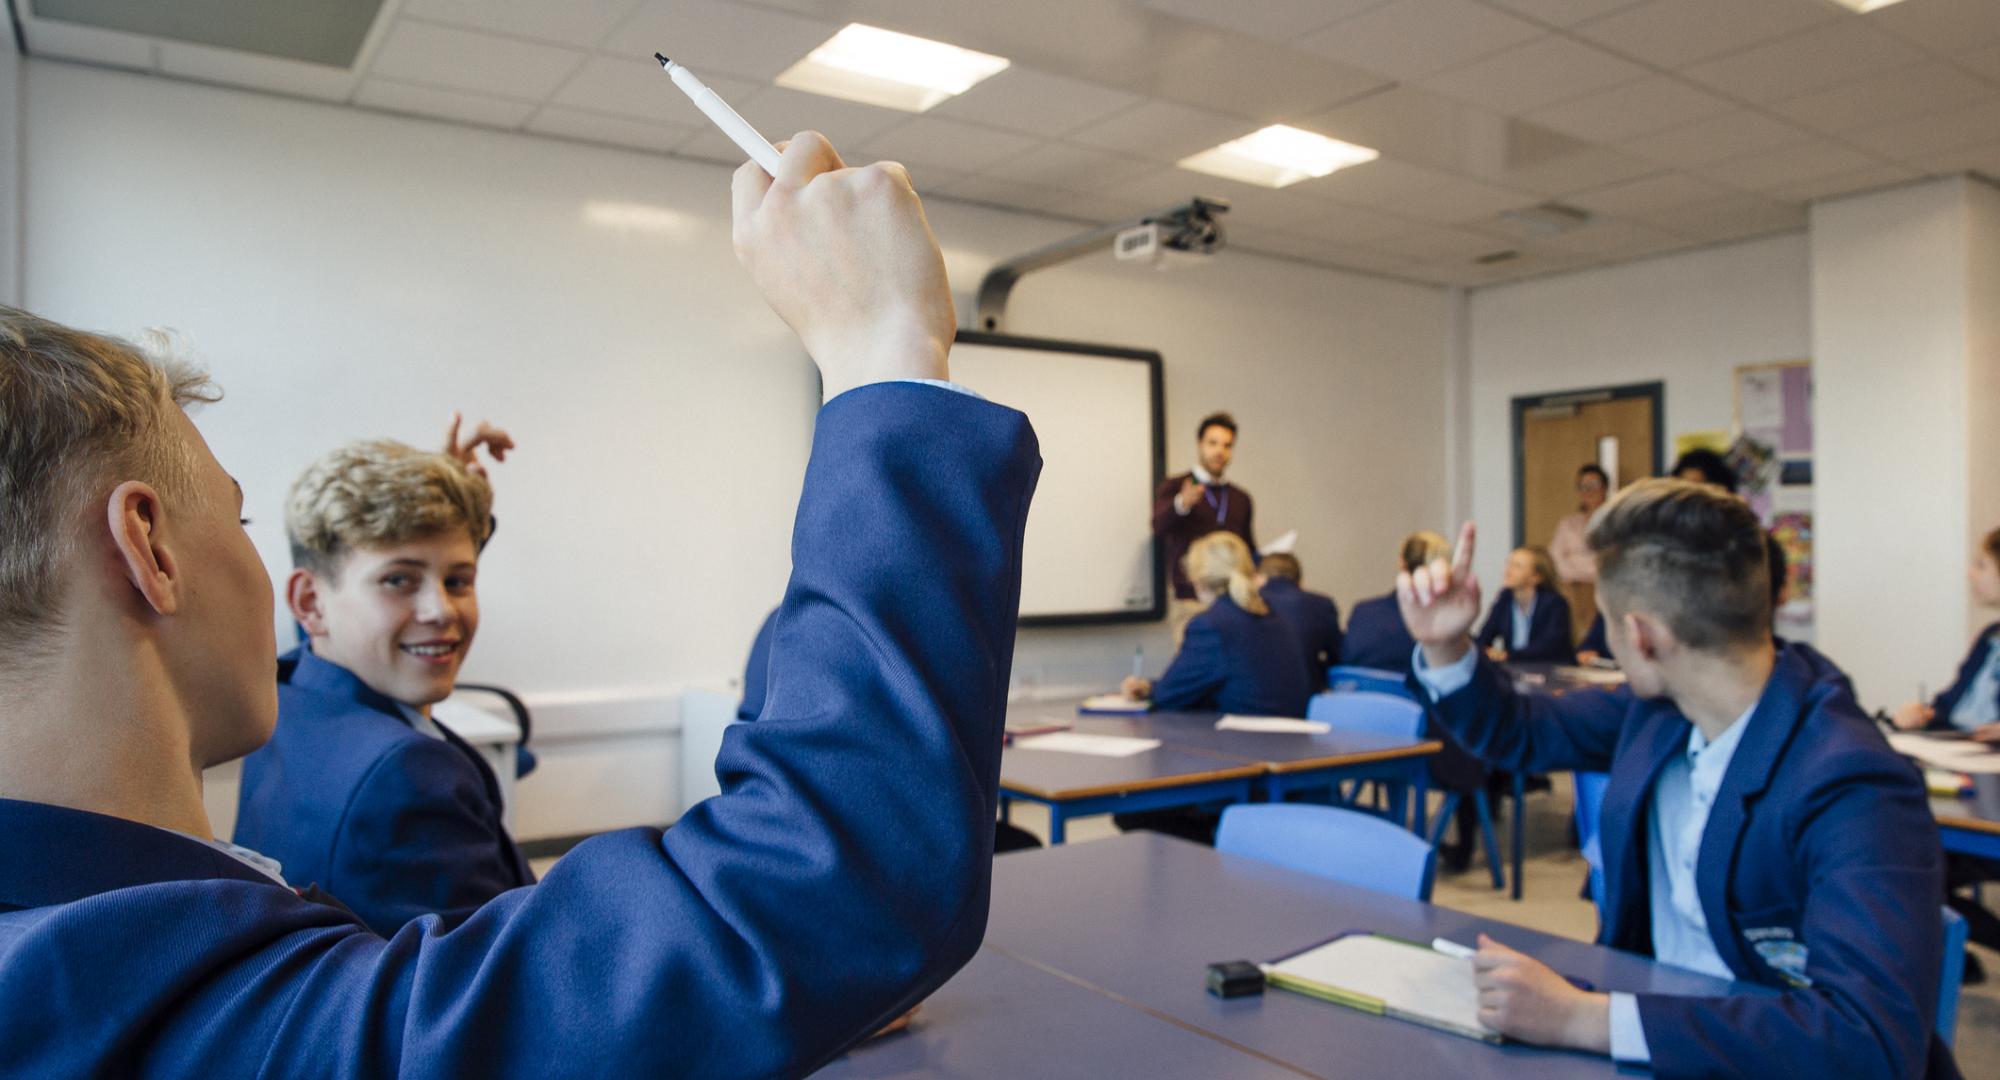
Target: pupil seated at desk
1236,657
359,790
1375,634
1314,619
1756,825
1530,619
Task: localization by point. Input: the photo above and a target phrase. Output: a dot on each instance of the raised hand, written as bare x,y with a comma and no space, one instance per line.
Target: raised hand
847,259
1190,491
496,441
1440,602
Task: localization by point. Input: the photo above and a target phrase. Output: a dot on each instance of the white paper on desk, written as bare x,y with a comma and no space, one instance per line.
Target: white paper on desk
1951,755
1077,742
1409,979
1593,676
1274,724
1113,703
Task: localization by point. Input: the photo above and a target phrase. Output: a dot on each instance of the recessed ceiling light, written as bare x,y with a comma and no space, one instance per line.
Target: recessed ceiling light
1865,6
1278,155
897,71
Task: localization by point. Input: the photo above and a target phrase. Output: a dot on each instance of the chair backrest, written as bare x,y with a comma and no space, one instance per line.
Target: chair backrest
1365,710
1954,970
1330,842
1589,806
1345,677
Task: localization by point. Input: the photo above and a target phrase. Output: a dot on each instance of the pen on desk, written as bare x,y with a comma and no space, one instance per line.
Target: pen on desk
711,104
1452,948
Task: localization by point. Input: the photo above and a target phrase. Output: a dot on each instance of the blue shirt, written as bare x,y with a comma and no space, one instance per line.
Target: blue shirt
1980,704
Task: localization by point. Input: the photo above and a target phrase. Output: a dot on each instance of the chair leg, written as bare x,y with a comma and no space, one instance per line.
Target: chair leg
1420,805
1486,837
1444,818
1520,827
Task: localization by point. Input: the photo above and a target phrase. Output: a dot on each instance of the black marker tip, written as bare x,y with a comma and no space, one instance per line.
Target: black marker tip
661,57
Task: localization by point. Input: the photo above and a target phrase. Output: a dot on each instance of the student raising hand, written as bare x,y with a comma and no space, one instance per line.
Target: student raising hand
1440,602
496,441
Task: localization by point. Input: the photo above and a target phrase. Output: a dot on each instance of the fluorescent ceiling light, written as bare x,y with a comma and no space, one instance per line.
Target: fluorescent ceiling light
637,217
1865,6
1278,155
897,71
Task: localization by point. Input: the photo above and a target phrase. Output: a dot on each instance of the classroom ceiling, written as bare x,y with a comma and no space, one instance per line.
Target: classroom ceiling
1670,123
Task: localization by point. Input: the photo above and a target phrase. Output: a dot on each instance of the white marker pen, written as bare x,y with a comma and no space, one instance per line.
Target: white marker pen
738,129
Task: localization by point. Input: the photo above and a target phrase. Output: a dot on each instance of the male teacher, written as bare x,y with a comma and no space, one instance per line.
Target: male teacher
1193,504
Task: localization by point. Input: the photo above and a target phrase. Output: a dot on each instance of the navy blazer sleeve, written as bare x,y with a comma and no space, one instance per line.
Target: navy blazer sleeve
1499,622
1870,923
1968,669
1197,672
1531,733
842,874
1548,630
757,670
416,839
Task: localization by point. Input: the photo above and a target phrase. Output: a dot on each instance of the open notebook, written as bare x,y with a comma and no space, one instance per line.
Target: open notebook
1388,977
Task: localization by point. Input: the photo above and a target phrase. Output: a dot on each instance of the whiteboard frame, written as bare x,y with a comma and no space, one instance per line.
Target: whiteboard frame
1156,382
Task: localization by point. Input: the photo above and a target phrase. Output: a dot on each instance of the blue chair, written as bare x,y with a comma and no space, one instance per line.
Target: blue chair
1344,845
1346,678
1589,806
1385,714
1954,971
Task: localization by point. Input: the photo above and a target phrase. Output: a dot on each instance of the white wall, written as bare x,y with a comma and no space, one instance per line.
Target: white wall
1902,295
1685,320
10,169
348,274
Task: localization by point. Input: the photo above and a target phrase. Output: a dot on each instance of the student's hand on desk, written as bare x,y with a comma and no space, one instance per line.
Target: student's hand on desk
1989,733
1136,688
1587,657
1440,602
496,441
1912,716
847,259
900,1023
1522,998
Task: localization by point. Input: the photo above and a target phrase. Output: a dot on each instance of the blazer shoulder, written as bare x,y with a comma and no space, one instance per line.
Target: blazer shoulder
340,735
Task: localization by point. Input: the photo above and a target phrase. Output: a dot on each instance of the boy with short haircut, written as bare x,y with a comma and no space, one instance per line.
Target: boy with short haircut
1756,825
841,876
359,790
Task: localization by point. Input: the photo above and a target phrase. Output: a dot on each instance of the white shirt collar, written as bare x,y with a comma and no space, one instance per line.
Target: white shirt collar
1202,476
263,864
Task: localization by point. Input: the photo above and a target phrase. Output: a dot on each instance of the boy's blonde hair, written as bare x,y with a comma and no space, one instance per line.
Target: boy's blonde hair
1220,563
79,413
377,493
1423,548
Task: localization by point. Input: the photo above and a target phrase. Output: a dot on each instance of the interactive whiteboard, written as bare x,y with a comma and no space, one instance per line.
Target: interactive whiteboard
1098,412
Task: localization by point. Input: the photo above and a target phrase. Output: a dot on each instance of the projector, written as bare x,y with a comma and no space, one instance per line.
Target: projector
1157,246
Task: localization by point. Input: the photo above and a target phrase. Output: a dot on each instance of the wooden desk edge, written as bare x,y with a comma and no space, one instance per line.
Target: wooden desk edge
1969,824
1240,772
1364,757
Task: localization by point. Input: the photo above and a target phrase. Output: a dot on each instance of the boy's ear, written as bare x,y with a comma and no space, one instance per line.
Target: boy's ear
1648,635
304,596
133,516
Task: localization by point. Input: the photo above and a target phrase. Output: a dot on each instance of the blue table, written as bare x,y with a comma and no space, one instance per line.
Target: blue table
1138,918
1970,825
1079,785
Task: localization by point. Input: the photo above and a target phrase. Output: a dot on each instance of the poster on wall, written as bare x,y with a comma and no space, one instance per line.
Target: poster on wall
1772,455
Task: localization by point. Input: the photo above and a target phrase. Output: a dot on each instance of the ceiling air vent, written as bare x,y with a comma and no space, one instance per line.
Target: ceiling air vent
1548,219
1494,258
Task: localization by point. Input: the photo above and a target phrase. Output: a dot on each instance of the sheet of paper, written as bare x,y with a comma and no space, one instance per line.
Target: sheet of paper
1592,675
1077,742
1275,724
1951,755
1283,545
1409,978
1113,703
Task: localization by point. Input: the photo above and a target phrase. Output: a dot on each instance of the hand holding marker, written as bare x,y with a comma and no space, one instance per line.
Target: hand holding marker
738,129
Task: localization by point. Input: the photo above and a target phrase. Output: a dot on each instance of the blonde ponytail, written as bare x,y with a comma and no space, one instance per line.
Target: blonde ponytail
1219,564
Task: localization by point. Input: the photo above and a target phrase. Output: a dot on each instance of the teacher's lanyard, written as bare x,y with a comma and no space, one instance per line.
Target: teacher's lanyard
1221,508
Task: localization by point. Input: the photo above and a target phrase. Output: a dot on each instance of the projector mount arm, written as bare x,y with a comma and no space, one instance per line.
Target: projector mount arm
1192,226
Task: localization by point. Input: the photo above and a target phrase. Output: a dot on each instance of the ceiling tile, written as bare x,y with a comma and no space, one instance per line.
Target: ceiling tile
1925,88
733,39
1036,102
1825,56
1948,26
1247,77
1072,168
1787,165
1097,209
933,141
463,106
257,72
1984,62
1728,219
1623,239
1655,103
1983,159
1375,183
1564,12
1540,73
639,89
1935,133
1162,131
1456,200
1718,138
1432,243
612,130
470,60
1281,21
1550,163
1650,195
1826,187
1347,224
1408,38
780,113
68,41
583,23
1009,194
1409,124
1675,33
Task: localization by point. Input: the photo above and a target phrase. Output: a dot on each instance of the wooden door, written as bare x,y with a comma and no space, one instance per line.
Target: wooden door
1560,436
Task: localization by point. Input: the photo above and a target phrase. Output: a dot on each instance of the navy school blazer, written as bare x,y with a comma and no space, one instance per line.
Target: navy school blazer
1820,848
391,822
1967,671
1548,627
841,876
1314,620
1376,637
757,671
1235,662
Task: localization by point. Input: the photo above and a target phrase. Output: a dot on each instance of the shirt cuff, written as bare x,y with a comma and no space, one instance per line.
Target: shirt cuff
1628,1036
1445,681
952,386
